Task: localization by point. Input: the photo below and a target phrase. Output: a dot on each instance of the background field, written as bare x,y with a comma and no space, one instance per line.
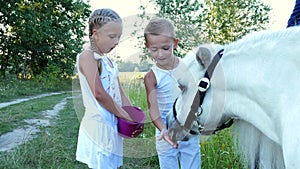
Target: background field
55,146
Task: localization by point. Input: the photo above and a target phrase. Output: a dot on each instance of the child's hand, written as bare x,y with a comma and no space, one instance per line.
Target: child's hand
138,131
165,135
126,116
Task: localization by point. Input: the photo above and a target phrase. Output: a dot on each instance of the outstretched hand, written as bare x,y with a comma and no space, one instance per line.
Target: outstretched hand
165,135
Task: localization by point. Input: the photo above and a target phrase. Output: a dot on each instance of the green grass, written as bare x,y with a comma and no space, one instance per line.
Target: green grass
13,116
13,88
217,152
55,146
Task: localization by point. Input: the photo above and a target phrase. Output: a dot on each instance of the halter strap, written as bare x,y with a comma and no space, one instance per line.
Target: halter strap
203,83
199,97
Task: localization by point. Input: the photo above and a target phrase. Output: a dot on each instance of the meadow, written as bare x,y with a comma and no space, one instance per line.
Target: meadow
55,145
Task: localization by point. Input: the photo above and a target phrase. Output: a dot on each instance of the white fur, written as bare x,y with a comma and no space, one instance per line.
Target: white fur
257,82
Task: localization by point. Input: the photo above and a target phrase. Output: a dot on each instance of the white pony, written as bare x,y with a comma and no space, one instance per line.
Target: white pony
257,83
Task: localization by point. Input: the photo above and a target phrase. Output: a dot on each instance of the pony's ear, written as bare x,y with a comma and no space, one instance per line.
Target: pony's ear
203,56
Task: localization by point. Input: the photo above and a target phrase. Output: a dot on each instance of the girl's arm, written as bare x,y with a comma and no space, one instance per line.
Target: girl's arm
150,84
125,99
88,66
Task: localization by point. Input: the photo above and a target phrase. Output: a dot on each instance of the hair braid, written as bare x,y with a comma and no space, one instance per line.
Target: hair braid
99,18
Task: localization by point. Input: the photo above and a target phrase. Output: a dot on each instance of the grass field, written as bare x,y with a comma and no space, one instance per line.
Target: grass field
55,145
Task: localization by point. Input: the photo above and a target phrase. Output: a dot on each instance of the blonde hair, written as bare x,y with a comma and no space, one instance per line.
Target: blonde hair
99,18
160,26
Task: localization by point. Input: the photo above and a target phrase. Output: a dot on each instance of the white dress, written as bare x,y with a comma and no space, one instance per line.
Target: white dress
99,144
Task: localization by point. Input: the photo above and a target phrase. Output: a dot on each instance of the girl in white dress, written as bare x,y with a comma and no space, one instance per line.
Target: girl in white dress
99,144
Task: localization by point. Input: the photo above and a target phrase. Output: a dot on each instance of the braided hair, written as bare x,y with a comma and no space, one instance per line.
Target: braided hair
99,18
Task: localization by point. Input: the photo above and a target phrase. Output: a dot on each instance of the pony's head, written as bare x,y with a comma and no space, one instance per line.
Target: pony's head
188,117
256,82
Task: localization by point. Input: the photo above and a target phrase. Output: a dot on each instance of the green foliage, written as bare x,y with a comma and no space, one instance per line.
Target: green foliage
52,77
37,33
13,88
208,21
55,146
182,13
217,151
226,21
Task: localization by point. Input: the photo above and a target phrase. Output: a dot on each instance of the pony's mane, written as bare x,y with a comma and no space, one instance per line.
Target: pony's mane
257,147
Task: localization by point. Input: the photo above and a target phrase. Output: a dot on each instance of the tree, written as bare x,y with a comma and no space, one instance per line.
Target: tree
207,21
36,34
228,20
183,13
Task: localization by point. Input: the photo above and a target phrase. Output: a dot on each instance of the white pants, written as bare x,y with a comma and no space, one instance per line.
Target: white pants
187,155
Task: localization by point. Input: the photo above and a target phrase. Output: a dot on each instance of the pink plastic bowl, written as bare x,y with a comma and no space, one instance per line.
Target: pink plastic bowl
126,128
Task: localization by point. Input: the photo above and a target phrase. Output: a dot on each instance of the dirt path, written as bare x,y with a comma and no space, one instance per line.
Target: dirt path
5,104
25,133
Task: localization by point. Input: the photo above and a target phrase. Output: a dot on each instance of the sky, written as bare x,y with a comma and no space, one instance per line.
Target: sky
123,7
280,13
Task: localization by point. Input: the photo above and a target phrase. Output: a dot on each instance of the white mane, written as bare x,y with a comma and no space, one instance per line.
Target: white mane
252,145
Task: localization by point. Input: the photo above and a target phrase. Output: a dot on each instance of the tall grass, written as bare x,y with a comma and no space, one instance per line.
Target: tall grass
55,146
134,88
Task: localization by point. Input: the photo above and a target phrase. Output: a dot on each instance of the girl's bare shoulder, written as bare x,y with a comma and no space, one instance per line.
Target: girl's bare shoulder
150,78
87,55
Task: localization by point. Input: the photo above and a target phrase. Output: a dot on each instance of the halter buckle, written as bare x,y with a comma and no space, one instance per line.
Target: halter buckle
203,84
197,114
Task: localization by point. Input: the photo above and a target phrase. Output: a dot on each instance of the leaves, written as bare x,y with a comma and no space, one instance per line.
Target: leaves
226,21
207,21
183,13
38,33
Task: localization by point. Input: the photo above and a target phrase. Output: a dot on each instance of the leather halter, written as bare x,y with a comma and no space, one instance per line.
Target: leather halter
203,86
